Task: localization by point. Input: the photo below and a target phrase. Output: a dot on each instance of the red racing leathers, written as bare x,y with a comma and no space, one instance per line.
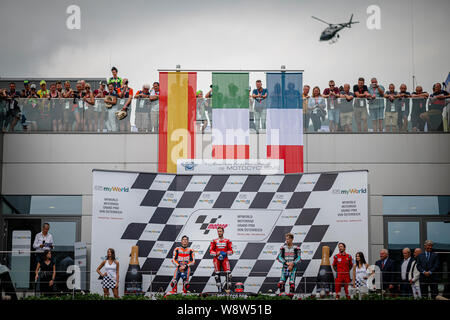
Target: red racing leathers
342,263
221,245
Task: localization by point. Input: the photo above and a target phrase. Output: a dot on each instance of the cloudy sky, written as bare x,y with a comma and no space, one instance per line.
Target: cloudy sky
139,37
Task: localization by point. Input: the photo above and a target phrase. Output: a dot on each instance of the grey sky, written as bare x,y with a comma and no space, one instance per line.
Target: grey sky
141,36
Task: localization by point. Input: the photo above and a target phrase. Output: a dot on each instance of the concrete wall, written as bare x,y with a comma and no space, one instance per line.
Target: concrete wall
398,164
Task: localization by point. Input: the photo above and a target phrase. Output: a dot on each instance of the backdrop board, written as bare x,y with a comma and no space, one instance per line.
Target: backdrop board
153,211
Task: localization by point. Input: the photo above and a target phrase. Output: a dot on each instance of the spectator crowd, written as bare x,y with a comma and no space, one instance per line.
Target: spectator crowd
58,107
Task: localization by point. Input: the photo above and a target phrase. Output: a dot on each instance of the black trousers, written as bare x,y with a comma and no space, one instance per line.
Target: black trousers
405,288
426,284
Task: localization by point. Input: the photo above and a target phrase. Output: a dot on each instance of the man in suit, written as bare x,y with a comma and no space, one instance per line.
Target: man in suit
428,264
387,267
405,267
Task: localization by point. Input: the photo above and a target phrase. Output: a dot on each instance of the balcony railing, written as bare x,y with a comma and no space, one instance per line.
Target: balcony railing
319,115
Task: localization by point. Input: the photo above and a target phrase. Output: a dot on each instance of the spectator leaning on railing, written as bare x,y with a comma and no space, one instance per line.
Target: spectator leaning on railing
200,111
376,105
99,95
31,108
260,95
331,94
126,95
89,103
391,113
403,108
67,94
77,106
437,102
346,108
27,90
360,106
142,113
13,112
55,107
110,101
419,105
154,106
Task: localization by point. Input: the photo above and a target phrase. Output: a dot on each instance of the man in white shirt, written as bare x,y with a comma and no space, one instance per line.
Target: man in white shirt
43,240
405,267
414,275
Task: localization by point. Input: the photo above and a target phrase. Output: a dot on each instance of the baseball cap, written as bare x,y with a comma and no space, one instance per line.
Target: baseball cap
199,91
25,82
33,86
42,82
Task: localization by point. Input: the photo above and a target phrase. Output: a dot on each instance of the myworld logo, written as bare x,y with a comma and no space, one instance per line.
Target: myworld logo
112,189
349,191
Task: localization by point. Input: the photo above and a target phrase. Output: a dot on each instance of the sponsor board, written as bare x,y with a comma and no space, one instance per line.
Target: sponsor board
153,211
230,166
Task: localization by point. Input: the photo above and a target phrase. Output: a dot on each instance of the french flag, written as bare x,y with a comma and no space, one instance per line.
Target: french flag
284,121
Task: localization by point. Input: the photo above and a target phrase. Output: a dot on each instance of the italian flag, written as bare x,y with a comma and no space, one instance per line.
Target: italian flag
177,104
284,120
230,116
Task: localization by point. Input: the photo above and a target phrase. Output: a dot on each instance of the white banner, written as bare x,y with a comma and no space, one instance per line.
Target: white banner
230,166
20,258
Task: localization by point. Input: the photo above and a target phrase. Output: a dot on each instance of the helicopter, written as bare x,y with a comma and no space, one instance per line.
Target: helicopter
331,33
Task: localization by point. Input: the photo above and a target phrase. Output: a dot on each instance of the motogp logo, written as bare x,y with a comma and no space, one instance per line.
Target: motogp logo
211,225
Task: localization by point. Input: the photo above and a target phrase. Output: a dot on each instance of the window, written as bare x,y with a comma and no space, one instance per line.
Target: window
403,234
42,205
439,233
416,205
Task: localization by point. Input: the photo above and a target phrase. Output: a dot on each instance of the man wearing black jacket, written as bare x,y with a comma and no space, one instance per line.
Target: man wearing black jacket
387,267
428,264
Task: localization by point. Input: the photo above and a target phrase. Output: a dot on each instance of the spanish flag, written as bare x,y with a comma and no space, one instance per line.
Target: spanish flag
177,103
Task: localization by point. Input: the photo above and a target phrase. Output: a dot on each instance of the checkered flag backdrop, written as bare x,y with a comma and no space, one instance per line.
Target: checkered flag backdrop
153,211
